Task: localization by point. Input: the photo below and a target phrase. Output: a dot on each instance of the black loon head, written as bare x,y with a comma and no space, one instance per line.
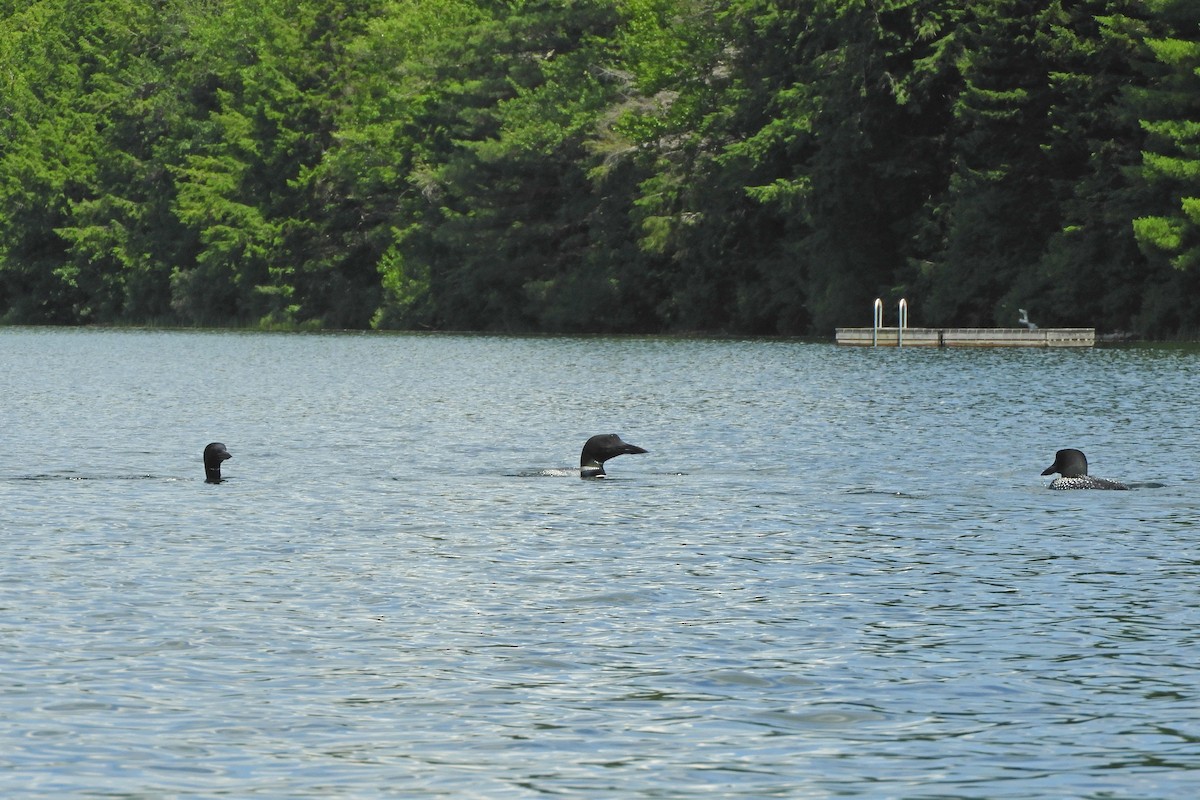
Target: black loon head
601,448
1069,463
214,454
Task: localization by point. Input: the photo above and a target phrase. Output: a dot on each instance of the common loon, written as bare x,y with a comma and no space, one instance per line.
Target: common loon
599,449
1071,464
214,454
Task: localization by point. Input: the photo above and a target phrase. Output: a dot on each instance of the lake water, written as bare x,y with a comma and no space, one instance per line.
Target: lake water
837,572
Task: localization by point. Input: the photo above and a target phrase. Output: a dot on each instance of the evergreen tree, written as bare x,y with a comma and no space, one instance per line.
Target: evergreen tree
264,80
48,159
123,235
514,236
1091,272
1170,108
883,80
1000,209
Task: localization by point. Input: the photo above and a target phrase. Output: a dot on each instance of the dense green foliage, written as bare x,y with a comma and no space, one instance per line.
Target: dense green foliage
600,165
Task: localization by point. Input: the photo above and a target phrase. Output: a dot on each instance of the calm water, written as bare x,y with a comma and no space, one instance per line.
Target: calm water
838,573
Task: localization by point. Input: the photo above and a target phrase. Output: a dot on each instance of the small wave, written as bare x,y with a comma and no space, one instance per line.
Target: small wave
883,492
75,477
547,473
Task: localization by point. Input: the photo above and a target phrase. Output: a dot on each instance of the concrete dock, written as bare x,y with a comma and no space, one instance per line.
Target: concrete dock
966,337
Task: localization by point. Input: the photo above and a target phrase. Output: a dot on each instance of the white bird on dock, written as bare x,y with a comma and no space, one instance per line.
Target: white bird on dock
1024,320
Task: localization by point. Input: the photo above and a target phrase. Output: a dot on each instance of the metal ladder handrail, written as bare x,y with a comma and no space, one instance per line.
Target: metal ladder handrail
877,322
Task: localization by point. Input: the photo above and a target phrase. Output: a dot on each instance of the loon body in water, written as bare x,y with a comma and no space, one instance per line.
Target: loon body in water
1072,466
214,454
599,449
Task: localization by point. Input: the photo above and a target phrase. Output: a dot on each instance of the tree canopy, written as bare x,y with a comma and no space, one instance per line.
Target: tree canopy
741,166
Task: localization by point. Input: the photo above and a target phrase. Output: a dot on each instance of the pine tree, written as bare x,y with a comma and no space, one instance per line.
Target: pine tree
999,210
1171,162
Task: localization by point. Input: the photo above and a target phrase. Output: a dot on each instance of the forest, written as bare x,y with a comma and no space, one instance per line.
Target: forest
754,167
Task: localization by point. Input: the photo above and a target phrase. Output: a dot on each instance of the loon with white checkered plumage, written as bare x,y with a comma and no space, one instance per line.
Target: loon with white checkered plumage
1072,465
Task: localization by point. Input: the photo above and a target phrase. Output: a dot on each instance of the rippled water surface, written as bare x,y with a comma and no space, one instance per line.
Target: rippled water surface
837,573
